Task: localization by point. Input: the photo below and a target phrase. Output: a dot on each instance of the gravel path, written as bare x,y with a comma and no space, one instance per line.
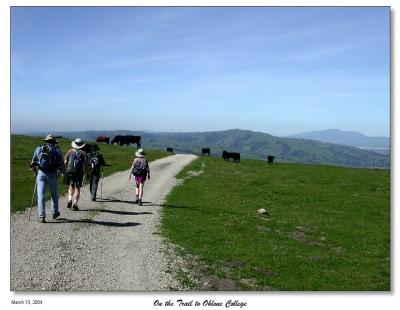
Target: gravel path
110,244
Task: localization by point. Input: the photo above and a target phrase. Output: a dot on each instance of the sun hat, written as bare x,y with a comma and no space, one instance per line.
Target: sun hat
50,138
78,144
140,153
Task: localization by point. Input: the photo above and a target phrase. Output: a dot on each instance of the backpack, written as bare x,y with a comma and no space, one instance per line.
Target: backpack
75,162
94,164
47,158
140,168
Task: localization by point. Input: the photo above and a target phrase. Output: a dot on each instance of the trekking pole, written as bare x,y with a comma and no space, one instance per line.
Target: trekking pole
33,197
101,184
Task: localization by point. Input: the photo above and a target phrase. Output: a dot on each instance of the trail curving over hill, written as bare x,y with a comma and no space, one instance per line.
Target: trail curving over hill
110,244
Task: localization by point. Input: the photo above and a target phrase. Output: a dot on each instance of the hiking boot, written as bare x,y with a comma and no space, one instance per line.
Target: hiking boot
42,220
55,215
69,204
140,202
75,207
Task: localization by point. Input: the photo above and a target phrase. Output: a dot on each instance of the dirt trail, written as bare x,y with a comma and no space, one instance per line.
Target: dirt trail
110,244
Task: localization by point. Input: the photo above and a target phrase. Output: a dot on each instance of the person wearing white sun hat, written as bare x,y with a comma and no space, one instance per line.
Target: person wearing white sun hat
77,165
140,169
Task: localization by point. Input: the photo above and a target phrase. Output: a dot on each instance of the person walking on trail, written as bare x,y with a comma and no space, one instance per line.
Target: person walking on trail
76,166
140,169
46,161
96,163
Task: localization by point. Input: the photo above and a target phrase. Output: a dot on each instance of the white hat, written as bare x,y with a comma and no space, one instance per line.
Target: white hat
50,138
140,153
78,144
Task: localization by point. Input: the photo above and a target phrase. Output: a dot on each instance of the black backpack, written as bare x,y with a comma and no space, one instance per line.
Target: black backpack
94,164
75,162
139,168
47,158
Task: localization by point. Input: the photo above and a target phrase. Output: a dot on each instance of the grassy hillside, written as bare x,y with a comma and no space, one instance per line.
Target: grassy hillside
22,179
328,228
256,145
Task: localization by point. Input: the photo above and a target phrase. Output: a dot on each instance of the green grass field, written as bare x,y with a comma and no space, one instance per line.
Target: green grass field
22,179
328,228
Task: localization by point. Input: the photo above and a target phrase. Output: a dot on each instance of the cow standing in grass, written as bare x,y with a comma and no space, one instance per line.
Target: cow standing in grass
227,155
205,151
127,140
270,159
103,139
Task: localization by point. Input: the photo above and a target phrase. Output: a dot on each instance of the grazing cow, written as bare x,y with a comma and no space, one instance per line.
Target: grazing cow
134,140
170,150
103,139
270,159
235,156
205,151
126,140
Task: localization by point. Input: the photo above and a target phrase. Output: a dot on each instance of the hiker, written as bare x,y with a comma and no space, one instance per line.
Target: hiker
140,169
96,163
46,161
76,166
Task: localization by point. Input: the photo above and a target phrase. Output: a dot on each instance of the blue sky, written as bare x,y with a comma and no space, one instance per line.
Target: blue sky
275,70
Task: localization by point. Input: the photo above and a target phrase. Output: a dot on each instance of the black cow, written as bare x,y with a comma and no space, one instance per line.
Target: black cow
103,139
205,151
127,140
170,150
270,159
235,156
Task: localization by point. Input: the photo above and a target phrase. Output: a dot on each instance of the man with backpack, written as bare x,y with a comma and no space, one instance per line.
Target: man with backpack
77,166
96,163
140,169
46,161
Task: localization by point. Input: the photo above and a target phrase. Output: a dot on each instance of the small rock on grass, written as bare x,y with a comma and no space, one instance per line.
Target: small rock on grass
262,211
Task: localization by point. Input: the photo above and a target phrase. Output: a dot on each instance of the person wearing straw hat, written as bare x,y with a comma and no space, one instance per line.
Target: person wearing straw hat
77,166
46,161
140,169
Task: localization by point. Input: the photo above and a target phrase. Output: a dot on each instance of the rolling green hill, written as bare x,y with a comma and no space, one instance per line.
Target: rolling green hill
352,138
253,145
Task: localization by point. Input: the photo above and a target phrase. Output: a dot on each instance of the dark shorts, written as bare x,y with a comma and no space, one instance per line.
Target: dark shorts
140,179
74,180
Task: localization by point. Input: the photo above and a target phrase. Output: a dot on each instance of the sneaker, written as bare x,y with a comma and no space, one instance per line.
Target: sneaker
42,220
137,201
55,215
69,204
140,202
75,208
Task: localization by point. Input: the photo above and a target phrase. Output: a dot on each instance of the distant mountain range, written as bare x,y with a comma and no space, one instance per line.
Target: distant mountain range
252,145
352,138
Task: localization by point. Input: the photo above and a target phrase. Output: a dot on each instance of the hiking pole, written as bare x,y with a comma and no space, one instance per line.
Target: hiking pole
83,181
101,184
33,197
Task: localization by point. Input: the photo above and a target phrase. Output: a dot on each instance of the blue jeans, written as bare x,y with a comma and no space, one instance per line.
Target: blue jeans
42,180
